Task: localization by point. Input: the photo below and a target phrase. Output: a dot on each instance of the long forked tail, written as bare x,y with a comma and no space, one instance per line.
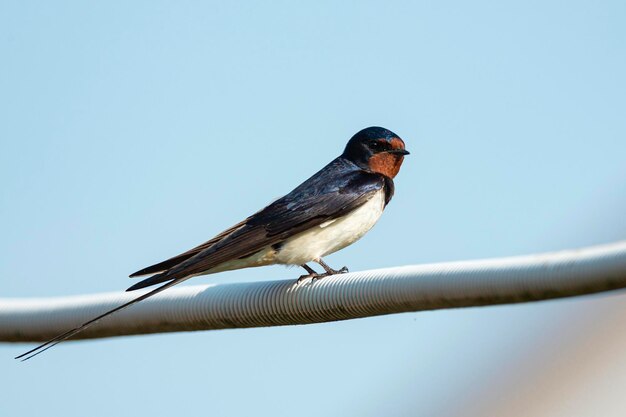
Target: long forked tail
58,339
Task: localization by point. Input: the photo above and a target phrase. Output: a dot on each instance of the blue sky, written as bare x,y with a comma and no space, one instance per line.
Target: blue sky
131,132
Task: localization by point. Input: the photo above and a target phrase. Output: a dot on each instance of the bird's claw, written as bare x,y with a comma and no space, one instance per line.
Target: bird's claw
329,273
335,271
314,276
307,276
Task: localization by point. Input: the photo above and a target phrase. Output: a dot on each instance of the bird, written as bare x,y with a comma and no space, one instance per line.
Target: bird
329,211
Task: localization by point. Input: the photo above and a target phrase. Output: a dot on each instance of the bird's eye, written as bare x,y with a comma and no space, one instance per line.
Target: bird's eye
377,145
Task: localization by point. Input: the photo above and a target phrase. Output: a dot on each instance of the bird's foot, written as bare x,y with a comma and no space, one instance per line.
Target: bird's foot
320,276
311,273
343,270
330,272
313,277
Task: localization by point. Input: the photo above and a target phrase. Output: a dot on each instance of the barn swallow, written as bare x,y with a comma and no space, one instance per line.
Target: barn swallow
329,211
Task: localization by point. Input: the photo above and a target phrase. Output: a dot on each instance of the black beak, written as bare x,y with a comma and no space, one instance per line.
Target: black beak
399,151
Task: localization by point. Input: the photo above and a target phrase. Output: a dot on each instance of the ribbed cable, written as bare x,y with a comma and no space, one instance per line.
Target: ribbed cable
340,297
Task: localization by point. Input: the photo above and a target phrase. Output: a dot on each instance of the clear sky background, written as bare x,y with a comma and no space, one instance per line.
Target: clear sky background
130,132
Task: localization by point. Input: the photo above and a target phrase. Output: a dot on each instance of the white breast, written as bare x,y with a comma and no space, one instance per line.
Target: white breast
332,235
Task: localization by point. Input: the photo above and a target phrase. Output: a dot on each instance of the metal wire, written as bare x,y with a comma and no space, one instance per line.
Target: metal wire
340,297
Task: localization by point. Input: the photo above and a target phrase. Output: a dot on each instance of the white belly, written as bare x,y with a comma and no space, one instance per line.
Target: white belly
333,235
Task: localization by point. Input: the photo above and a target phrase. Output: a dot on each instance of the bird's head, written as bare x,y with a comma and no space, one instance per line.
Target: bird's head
376,149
